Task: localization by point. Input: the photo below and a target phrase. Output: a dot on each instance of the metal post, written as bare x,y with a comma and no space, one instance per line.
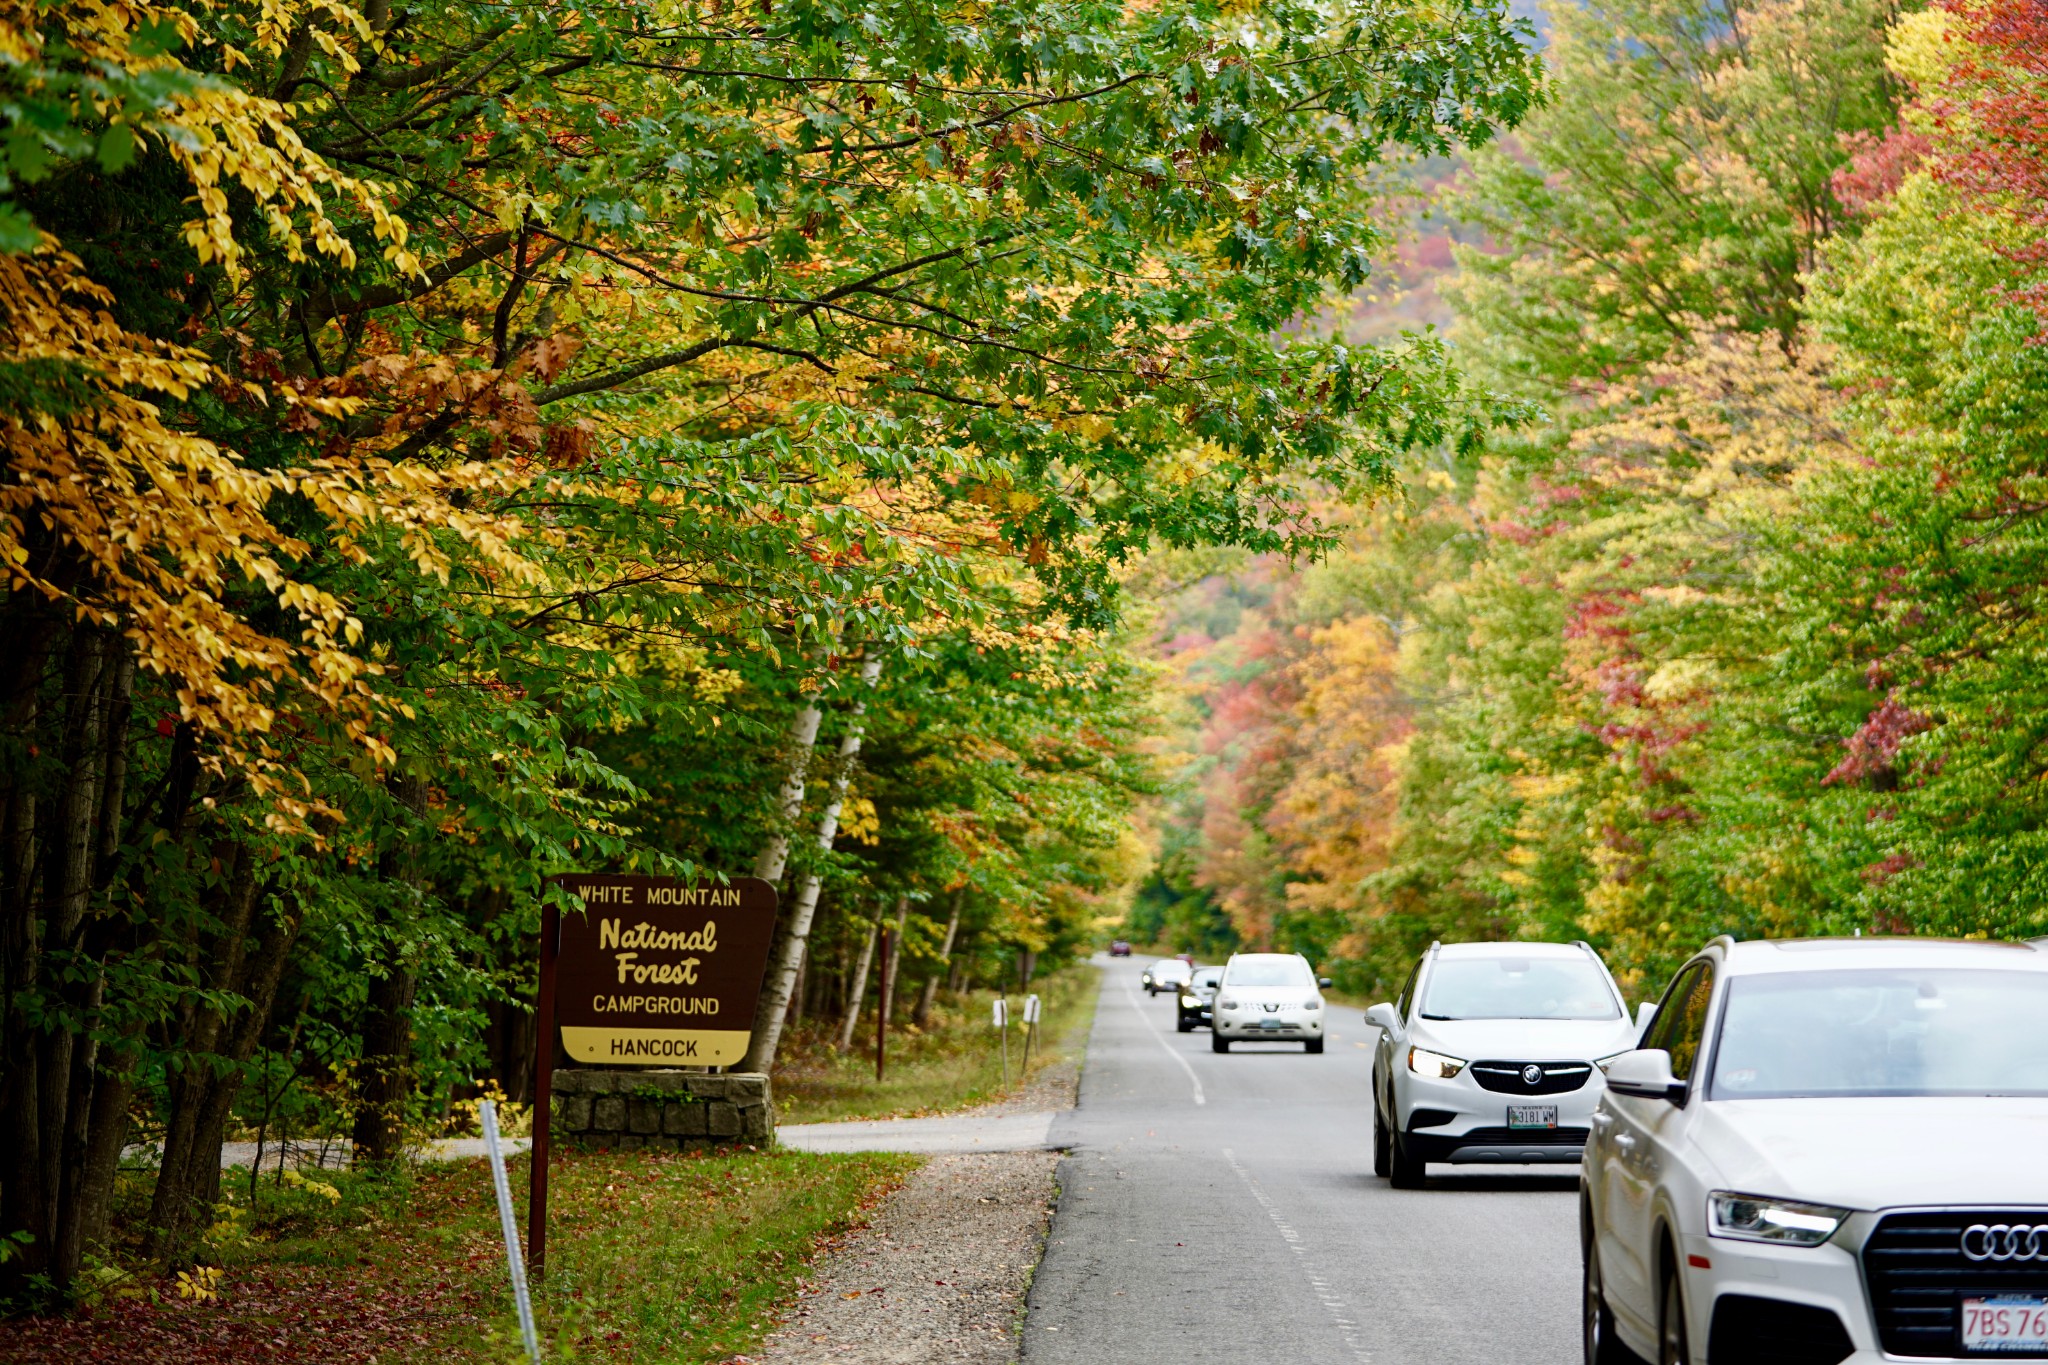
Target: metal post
882,1007
513,1262
1003,1027
543,1093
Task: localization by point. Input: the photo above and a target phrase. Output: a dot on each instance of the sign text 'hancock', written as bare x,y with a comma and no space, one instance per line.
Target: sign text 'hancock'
661,972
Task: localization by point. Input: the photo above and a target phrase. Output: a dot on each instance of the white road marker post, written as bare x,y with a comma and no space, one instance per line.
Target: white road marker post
1002,1022
513,1260
1030,1032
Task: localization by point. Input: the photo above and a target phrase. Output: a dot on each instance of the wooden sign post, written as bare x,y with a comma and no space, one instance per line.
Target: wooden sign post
654,971
882,1008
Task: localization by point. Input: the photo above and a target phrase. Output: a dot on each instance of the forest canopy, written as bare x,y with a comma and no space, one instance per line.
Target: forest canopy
455,444
1746,637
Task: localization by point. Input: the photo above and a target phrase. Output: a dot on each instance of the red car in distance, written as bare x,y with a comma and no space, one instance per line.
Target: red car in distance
1119,949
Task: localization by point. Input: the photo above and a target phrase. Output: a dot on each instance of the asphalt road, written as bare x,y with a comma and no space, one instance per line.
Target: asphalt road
1223,1208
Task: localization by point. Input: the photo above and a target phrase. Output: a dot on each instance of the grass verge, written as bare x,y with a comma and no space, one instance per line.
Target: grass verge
954,1063
679,1259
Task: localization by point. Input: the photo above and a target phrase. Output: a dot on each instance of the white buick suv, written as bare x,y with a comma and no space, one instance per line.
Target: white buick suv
1492,1053
1826,1151
1268,998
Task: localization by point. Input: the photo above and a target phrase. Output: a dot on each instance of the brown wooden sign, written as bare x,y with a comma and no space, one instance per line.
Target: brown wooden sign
661,972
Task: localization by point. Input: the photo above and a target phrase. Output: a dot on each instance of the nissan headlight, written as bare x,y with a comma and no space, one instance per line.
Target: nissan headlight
1314,1002
1224,1003
1434,1065
1755,1218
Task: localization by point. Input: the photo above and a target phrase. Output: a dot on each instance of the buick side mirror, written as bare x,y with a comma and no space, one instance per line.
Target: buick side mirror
1323,982
1645,1074
1645,1012
1382,1017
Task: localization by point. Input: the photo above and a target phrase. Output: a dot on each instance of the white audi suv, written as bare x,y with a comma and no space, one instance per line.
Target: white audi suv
1826,1151
1268,998
1492,1053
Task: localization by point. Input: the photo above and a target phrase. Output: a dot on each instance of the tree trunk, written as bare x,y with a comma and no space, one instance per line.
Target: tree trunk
858,989
384,1077
803,735
789,950
931,983
251,952
895,962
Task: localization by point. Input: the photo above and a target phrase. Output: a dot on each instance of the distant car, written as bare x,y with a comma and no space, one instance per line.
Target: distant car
1826,1150
1493,1053
1268,997
1198,999
1167,974
1119,949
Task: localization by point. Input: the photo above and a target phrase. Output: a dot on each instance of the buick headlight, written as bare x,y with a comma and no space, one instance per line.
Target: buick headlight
1434,1065
1754,1218
1604,1062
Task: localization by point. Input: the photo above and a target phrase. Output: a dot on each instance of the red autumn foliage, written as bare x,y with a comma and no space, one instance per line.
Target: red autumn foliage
2005,90
1874,749
1878,164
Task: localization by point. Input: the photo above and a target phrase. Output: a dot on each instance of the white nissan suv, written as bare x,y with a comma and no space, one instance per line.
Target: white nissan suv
1268,998
1826,1151
1492,1053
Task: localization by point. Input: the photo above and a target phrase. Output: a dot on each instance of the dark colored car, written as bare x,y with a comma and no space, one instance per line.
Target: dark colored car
1119,949
1197,1003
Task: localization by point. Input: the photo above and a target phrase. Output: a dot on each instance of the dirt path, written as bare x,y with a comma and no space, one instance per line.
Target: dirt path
939,1276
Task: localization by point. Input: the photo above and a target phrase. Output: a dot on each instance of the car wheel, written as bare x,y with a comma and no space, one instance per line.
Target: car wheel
1218,1043
1312,1045
1672,1348
1404,1165
1184,1024
1602,1346
1382,1149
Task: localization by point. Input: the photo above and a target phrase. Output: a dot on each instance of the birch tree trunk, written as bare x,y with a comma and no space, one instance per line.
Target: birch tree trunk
789,950
895,962
931,983
857,990
803,734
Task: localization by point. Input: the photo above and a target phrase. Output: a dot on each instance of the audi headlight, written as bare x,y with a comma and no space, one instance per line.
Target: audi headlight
1434,1065
1755,1218
1190,1001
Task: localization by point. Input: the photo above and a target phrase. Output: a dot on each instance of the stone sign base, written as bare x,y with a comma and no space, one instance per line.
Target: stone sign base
663,1111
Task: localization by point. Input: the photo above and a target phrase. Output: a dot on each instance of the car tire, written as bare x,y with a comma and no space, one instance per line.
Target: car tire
1218,1043
1382,1148
1603,1347
1312,1046
1183,1024
1672,1346
1404,1166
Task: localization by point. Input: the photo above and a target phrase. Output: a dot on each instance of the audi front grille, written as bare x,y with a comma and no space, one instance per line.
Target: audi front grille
1921,1266
1531,1078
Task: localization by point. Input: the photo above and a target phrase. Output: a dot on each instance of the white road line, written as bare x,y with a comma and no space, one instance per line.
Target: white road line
1193,1079
1339,1311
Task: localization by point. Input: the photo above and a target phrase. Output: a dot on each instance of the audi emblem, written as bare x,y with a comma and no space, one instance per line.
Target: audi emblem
2006,1242
1532,1074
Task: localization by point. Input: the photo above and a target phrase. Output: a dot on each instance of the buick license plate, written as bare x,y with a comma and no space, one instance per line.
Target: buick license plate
2011,1324
1532,1116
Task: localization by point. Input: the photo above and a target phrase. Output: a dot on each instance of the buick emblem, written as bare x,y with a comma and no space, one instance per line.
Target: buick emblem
1532,1074
2006,1242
